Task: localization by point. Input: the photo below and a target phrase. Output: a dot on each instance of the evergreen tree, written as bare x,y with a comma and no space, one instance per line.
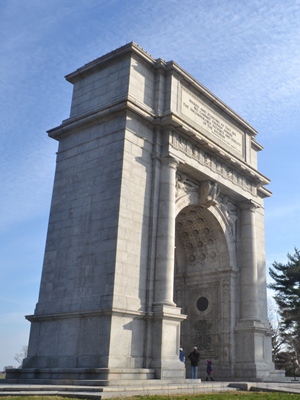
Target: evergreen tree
286,285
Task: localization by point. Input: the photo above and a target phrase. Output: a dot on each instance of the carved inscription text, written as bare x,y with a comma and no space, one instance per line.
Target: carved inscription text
197,111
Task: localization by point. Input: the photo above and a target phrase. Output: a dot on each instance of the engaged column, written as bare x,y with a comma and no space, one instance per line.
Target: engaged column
248,262
165,248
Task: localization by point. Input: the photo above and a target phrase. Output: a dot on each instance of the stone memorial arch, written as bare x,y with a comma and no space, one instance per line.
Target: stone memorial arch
156,232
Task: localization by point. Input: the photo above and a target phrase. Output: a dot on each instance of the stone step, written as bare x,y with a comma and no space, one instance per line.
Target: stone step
100,382
66,375
106,392
79,395
38,387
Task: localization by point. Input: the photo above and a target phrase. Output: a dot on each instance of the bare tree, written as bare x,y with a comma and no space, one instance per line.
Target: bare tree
19,357
274,321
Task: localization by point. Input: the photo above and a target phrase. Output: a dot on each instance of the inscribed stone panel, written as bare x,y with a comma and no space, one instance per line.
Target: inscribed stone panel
211,122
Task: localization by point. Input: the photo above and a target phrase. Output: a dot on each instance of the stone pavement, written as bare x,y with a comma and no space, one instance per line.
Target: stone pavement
144,388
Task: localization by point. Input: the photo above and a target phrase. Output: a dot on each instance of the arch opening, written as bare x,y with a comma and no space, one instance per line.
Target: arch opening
204,283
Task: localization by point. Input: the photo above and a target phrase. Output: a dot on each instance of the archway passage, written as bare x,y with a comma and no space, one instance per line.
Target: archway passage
204,288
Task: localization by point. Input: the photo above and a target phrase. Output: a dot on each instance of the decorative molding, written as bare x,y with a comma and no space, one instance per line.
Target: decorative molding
202,335
185,186
230,213
204,158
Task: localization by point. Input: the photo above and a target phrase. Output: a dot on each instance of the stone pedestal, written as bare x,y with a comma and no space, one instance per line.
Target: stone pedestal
166,333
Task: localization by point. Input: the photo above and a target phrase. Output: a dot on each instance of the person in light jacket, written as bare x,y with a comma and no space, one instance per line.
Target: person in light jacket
181,355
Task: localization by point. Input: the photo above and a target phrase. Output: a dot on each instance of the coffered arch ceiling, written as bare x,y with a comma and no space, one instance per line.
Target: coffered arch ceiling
200,242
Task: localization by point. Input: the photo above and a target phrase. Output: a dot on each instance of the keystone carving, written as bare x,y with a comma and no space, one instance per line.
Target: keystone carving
209,192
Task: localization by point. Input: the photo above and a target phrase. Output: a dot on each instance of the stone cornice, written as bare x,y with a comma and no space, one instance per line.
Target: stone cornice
95,115
256,145
83,314
92,116
263,192
120,53
159,310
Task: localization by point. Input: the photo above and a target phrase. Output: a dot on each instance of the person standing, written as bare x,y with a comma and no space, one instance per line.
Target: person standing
181,355
209,371
194,358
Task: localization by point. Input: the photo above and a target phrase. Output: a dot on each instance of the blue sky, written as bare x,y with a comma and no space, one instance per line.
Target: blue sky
246,52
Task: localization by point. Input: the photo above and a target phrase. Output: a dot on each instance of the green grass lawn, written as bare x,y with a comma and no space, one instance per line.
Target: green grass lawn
211,396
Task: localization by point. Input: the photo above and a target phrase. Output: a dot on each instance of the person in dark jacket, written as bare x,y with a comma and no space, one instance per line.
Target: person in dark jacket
209,371
194,358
